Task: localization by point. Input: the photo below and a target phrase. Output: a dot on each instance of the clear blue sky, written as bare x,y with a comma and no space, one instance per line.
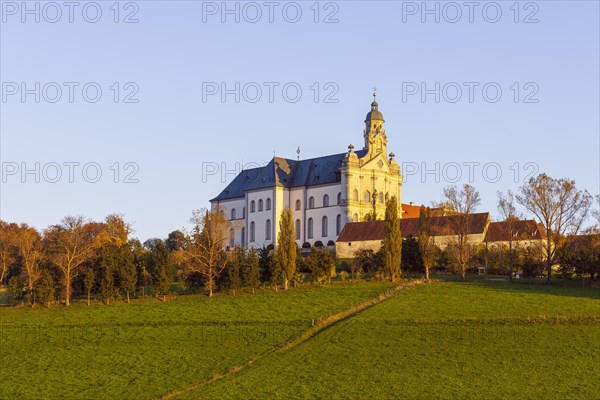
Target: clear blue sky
172,132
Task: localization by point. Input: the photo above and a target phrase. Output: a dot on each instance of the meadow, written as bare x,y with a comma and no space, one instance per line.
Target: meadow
447,340
147,348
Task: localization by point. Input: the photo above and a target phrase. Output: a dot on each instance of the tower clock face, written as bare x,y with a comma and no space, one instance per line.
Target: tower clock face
380,164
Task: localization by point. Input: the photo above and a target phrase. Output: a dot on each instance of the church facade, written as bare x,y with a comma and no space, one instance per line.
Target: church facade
323,193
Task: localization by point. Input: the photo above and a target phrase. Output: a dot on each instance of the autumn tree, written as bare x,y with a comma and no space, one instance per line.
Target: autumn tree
70,244
286,247
204,250
8,249
561,209
426,239
29,242
464,203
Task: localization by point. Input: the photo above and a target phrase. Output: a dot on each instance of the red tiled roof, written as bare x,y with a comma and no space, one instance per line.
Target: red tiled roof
522,230
410,211
441,226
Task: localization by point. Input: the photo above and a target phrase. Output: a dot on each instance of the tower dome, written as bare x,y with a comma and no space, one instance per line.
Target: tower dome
374,114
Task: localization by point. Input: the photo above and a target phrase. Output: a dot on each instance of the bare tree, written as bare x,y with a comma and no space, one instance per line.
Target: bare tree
70,244
510,216
204,251
286,243
464,202
426,240
559,207
29,242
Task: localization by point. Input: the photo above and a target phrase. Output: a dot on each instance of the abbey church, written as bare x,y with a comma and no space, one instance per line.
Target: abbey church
323,193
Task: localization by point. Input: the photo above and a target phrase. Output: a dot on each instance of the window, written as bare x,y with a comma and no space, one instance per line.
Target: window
355,195
338,224
381,198
252,232
339,198
324,227
298,205
297,229
231,238
311,202
355,218
366,197
326,201
268,230
268,205
310,228
243,238
252,206
233,213
260,205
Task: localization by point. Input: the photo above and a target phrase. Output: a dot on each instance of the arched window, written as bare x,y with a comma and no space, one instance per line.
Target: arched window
338,224
297,229
268,229
355,218
366,198
381,198
298,205
252,232
339,198
252,206
231,238
311,202
355,195
243,238
326,201
233,213
310,228
268,205
260,205
324,227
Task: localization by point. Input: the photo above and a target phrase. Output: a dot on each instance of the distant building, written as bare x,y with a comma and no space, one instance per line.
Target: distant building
323,193
369,235
525,234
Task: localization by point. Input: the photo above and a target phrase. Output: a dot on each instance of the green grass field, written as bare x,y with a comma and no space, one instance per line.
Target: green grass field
145,349
447,340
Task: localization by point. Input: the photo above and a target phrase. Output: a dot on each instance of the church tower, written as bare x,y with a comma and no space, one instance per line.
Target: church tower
374,133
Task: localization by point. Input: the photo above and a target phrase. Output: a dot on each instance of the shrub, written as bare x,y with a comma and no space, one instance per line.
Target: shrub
306,245
331,243
343,276
318,243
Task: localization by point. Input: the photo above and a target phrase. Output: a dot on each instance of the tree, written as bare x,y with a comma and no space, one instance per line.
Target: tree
251,271
321,265
127,270
412,262
287,248
426,240
464,202
234,267
559,207
29,242
175,240
510,216
44,288
89,281
392,241
160,270
204,250
70,245
276,271
7,247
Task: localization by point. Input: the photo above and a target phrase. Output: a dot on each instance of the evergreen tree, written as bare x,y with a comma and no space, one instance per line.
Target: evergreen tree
160,272
392,242
88,281
234,267
127,270
250,271
286,247
275,268
44,288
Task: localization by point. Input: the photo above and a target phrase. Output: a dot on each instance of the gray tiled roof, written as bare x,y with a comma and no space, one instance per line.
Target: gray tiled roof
287,173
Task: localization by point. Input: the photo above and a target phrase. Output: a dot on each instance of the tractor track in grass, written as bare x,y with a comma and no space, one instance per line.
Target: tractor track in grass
319,326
